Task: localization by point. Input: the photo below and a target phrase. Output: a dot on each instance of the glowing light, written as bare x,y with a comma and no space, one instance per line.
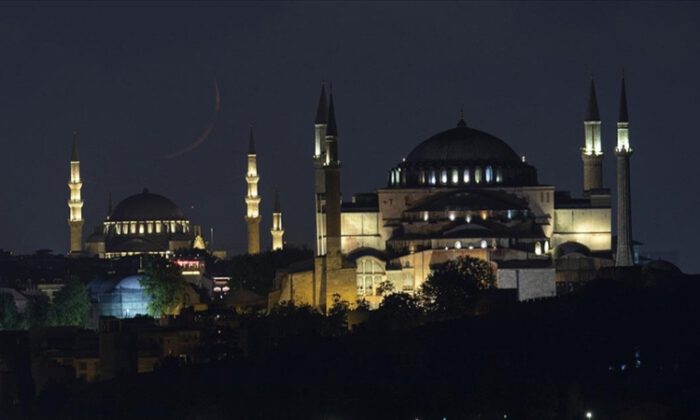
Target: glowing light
458,245
468,218
589,415
452,216
484,244
538,248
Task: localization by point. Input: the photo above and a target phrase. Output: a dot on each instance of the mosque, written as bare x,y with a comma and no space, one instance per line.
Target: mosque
461,192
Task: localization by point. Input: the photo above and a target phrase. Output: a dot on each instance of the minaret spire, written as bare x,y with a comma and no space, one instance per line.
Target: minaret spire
624,256
319,158
277,230
331,171
592,151
252,199
75,202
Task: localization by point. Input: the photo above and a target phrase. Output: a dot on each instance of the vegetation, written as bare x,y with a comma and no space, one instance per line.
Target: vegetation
163,282
450,289
71,305
9,317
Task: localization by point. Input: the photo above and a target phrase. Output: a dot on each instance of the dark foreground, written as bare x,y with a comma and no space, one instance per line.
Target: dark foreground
618,350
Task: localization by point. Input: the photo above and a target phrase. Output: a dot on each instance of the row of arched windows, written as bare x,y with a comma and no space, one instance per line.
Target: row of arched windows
451,176
147,228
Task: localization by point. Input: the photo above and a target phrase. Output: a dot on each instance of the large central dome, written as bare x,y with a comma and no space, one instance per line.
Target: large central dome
462,157
463,144
146,206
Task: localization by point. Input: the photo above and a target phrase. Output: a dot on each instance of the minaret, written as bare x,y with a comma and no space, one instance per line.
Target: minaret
252,200
623,151
277,230
319,158
75,203
331,174
592,151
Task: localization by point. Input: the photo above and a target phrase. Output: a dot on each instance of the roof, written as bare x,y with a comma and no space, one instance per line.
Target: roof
624,117
471,200
146,206
251,143
592,113
462,143
74,153
332,129
322,111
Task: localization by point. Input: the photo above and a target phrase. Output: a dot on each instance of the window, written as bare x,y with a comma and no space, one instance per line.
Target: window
421,177
431,178
489,174
370,273
465,178
443,176
455,176
499,175
477,174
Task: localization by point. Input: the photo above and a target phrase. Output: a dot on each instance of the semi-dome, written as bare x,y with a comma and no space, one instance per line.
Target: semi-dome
462,157
146,206
462,143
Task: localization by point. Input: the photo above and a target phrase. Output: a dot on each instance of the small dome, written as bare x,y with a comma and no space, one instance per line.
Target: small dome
146,206
130,282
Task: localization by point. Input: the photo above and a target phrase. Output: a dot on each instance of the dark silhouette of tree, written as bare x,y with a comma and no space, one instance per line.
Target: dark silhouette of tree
257,272
450,289
397,311
10,319
70,306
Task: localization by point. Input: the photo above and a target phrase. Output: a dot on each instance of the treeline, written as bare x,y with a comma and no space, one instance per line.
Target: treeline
70,307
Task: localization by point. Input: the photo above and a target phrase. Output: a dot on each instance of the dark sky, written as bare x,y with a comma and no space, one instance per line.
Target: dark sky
136,80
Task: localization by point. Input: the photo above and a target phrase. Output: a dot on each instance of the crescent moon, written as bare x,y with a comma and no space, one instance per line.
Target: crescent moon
207,131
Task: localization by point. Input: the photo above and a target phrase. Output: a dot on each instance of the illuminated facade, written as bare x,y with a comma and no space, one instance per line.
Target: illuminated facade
144,223
252,199
75,203
277,231
461,192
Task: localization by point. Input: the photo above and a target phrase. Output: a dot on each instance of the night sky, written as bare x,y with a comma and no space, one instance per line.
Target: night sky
137,81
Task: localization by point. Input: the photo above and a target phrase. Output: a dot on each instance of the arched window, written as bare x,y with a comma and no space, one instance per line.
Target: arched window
465,178
370,273
489,175
477,174
499,175
443,176
455,176
431,177
421,177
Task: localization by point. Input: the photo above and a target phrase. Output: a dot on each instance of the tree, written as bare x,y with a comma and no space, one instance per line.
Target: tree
71,305
10,319
450,288
385,288
397,311
163,282
37,312
337,319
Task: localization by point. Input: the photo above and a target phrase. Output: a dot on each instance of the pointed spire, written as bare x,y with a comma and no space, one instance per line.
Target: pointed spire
332,129
592,113
74,152
461,122
251,142
277,208
623,101
322,111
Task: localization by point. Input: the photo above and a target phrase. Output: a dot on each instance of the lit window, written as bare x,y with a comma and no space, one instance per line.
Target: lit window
431,178
477,175
538,248
489,175
443,176
141,229
455,176
458,245
452,216
499,175
425,216
468,218
421,177
510,214
465,179
484,244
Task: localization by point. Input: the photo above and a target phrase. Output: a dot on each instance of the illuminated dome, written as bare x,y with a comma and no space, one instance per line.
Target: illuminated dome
462,157
146,206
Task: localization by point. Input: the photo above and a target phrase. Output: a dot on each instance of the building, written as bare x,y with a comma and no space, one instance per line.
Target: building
461,192
144,223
